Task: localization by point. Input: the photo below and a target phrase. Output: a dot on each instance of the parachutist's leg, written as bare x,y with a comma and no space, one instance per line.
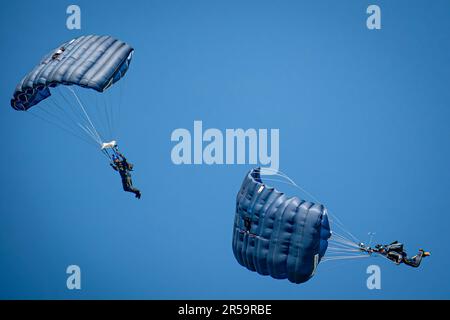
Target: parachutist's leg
125,184
128,186
414,261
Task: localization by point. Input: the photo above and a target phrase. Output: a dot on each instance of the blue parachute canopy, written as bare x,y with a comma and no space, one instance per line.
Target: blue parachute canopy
277,235
91,61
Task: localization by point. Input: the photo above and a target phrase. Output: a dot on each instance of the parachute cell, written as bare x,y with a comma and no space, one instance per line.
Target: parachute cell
277,235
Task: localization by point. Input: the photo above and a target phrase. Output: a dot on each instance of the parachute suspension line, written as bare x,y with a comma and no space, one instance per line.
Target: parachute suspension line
339,245
77,118
99,139
66,103
90,133
335,220
112,106
338,253
61,127
279,180
338,248
342,245
271,171
122,88
56,105
112,115
333,250
105,118
339,238
341,249
100,120
56,120
95,117
325,259
343,241
334,253
343,254
62,118
45,113
65,111
108,113
92,128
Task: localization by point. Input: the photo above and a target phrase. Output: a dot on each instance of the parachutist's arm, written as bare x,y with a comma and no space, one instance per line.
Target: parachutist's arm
120,154
113,166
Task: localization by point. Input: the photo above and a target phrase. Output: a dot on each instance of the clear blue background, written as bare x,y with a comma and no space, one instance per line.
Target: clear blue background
371,109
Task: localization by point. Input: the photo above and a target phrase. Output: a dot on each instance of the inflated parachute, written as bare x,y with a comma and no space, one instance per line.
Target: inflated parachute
91,62
277,235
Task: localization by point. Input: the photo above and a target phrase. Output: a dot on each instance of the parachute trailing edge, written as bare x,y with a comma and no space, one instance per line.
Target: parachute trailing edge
92,61
277,235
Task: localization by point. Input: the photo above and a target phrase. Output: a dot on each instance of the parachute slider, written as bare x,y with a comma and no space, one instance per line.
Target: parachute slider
109,145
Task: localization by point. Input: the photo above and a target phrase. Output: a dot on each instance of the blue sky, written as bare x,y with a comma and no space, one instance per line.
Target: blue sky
370,108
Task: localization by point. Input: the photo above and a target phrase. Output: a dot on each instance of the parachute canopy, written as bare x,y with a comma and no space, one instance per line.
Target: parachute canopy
91,61
277,235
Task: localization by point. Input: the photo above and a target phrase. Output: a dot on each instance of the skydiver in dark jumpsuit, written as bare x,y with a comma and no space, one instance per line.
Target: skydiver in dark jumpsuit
121,165
395,253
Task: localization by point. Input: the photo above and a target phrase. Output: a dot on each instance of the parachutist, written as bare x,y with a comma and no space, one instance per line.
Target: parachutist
120,164
90,62
397,254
